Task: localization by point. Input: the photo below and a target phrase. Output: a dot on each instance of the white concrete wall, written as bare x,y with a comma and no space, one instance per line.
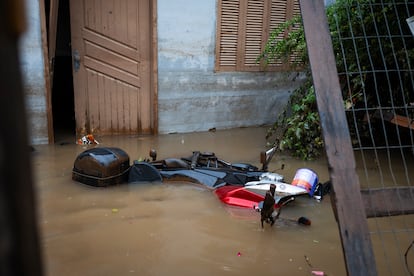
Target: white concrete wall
32,67
192,97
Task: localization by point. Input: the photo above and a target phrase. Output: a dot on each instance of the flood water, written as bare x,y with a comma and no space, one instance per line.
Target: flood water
177,228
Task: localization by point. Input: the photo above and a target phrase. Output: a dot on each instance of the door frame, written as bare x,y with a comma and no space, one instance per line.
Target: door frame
48,49
46,63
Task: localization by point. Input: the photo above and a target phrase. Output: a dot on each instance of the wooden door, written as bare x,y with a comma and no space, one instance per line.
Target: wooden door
111,50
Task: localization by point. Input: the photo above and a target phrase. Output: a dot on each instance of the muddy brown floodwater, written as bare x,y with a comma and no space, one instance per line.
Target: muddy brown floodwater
180,228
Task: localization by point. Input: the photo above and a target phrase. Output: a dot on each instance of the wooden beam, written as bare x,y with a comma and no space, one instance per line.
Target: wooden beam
392,201
154,67
53,25
51,35
20,249
48,76
346,197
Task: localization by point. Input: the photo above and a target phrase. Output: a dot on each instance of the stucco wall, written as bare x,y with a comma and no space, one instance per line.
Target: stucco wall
32,68
192,97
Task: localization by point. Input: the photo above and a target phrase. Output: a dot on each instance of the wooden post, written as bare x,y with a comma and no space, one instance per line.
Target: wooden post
20,249
346,197
48,67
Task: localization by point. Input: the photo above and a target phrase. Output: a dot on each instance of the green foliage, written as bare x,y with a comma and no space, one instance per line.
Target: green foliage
374,52
291,49
299,122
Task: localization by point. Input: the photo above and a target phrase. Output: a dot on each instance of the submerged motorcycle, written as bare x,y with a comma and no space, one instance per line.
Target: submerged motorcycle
237,184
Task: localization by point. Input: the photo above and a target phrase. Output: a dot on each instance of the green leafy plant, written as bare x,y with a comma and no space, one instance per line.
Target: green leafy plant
297,128
302,135
374,68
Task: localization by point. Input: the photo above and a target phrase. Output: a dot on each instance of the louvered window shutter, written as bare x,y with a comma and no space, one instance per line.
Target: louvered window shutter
243,27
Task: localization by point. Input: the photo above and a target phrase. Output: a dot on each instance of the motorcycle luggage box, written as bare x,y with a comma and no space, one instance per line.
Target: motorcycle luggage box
101,167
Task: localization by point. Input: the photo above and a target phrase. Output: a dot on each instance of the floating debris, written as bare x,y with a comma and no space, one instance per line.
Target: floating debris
304,221
87,140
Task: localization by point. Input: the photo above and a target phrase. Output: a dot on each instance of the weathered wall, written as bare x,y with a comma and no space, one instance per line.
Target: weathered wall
31,58
192,97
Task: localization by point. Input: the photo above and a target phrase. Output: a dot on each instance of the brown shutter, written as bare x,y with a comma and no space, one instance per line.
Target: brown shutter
243,27
254,33
296,11
278,16
227,35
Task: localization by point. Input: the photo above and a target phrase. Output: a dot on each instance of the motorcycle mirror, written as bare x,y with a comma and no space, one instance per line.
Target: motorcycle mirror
266,156
153,154
262,157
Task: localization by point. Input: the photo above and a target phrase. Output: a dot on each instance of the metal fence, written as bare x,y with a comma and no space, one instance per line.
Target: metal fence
372,49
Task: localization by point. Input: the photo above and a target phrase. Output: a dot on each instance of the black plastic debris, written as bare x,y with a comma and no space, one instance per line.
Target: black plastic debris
143,172
101,167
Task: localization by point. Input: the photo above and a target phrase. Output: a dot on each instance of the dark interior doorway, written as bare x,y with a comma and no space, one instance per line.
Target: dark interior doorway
63,108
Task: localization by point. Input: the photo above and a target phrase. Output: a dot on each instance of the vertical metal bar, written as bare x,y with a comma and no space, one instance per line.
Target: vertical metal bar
346,197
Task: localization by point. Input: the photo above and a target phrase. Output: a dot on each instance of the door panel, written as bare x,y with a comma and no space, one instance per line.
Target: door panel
112,80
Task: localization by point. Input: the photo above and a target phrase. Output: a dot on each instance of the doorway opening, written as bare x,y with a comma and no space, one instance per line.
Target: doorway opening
63,106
